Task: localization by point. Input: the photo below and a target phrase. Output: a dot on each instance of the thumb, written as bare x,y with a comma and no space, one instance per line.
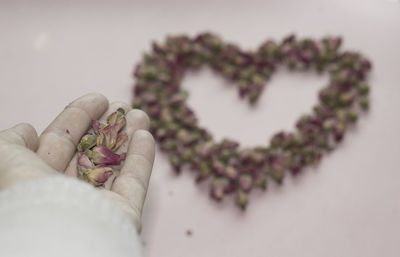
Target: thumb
18,161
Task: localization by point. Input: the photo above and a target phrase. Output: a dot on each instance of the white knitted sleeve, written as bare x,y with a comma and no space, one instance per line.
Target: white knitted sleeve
60,216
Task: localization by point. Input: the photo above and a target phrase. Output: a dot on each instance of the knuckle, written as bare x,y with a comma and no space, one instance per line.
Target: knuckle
59,135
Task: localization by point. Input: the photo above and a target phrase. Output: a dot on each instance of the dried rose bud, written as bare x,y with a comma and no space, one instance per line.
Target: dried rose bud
245,155
101,155
226,154
83,161
342,76
277,175
98,176
205,149
316,158
298,139
258,158
279,161
245,182
186,154
261,181
177,99
175,162
364,103
217,188
111,135
168,145
352,116
270,49
229,143
121,138
241,199
87,142
166,115
244,89
329,124
107,136
117,118
231,172
339,131
363,88
303,122
346,99
154,111
97,125
185,137
218,168
295,169
204,171
253,96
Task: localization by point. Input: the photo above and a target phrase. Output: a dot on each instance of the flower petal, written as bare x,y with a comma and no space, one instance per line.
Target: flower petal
98,176
83,160
87,142
101,155
121,138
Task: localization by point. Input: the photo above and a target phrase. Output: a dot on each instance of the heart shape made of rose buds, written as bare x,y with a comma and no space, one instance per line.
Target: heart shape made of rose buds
230,168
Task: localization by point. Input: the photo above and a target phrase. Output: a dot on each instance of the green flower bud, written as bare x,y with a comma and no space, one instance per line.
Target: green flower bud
363,88
241,199
364,103
87,142
352,116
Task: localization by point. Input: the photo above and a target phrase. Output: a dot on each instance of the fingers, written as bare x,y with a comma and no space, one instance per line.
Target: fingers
135,120
22,134
134,178
17,158
58,142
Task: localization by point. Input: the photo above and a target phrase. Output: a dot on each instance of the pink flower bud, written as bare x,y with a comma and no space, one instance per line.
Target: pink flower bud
101,155
97,125
83,161
245,182
218,168
98,176
110,136
231,172
117,119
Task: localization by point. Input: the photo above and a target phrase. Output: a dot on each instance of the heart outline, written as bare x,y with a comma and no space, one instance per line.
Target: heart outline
174,125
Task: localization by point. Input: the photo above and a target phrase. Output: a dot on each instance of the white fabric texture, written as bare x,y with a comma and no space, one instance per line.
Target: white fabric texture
60,216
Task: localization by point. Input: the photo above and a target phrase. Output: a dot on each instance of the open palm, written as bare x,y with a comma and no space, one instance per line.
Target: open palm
24,155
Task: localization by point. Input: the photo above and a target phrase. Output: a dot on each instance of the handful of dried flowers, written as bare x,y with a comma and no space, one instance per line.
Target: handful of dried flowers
97,149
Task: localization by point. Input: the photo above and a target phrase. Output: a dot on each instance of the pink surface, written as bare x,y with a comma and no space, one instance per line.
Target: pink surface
54,51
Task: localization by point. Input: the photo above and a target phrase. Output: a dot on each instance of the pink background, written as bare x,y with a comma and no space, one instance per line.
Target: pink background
54,51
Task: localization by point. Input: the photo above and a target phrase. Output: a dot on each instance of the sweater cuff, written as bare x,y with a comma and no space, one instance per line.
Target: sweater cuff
65,217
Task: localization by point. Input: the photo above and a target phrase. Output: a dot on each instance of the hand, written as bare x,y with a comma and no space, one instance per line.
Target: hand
24,155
